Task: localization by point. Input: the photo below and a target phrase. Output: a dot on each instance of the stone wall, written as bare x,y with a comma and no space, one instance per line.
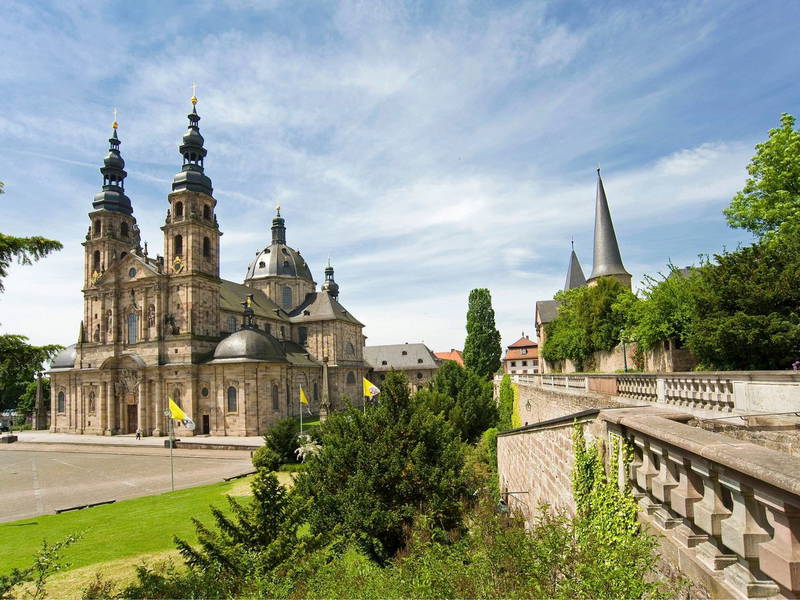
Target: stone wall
538,404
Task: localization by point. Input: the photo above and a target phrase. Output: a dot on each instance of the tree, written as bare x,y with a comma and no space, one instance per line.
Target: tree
482,348
463,398
25,250
505,404
770,200
19,362
27,400
281,438
379,469
748,308
586,322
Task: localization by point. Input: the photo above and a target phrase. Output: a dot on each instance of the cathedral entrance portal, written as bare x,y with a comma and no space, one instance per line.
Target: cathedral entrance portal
132,420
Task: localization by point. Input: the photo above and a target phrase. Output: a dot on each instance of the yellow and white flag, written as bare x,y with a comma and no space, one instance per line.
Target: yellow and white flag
370,389
303,398
176,412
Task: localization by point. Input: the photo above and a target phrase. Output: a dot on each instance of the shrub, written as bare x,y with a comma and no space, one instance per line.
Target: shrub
505,404
282,439
380,468
266,458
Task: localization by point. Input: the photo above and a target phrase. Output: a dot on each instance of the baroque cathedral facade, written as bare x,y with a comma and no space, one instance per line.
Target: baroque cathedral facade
232,355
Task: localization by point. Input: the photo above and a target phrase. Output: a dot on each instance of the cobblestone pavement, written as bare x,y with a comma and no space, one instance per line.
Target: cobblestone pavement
38,478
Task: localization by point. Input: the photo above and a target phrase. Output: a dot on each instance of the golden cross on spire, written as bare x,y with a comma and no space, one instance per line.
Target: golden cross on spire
278,209
194,93
114,125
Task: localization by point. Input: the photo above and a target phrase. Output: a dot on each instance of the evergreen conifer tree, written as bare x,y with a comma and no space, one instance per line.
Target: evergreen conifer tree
482,347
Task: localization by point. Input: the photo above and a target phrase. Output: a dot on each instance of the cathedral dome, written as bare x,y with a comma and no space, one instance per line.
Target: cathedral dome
250,344
278,258
64,359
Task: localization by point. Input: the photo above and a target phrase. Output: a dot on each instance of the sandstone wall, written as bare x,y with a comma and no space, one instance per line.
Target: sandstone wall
537,404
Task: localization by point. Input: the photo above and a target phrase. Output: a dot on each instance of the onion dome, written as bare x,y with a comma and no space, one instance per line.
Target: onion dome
112,196
278,258
329,285
64,359
192,176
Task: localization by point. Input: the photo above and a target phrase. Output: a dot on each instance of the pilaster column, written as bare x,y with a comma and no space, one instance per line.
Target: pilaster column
646,472
158,418
102,413
742,532
110,408
53,404
141,413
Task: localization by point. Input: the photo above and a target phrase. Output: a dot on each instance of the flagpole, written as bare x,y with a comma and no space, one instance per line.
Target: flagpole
301,412
171,444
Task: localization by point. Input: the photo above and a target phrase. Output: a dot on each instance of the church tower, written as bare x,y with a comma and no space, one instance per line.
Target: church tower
607,259
112,228
191,231
191,241
575,276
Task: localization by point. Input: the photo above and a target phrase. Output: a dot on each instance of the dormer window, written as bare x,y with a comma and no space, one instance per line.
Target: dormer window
419,361
383,362
404,353
262,265
524,351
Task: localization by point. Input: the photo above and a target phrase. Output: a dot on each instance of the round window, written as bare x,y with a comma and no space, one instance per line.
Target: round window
419,375
204,392
132,272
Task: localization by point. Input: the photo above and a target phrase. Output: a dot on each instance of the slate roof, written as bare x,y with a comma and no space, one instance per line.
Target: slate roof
394,357
321,306
575,276
546,310
607,259
298,356
232,294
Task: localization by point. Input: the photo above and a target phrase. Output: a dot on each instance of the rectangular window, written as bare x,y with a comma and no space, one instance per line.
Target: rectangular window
524,363
513,363
287,297
302,335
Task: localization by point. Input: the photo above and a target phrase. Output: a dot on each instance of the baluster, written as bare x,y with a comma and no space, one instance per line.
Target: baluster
780,557
744,530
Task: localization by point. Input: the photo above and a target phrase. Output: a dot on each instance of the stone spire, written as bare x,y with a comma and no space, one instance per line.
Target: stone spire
329,285
278,227
607,259
112,197
575,276
192,176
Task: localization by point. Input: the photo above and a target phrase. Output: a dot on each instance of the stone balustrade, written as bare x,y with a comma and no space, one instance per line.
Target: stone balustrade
697,392
732,508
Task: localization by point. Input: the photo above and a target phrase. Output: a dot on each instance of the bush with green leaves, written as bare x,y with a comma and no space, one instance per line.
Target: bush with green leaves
266,458
463,398
47,562
281,438
505,404
379,469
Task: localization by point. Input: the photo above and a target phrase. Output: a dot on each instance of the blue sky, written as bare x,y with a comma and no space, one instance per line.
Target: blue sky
428,147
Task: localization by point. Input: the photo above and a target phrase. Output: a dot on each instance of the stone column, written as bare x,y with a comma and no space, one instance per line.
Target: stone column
102,413
325,404
110,396
743,531
53,405
159,408
141,412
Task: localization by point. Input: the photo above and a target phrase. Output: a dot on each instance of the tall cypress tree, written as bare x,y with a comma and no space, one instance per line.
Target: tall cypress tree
482,347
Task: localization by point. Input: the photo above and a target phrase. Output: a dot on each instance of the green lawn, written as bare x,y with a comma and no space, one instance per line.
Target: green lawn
115,531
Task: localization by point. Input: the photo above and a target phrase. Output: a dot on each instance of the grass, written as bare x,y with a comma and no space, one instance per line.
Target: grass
115,531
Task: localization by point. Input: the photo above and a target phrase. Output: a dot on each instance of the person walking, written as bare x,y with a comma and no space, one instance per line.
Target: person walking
138,433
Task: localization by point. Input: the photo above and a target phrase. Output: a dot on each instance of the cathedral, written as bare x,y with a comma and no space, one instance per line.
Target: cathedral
233,356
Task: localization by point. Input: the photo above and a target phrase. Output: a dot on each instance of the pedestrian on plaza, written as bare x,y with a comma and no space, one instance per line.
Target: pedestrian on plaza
138,433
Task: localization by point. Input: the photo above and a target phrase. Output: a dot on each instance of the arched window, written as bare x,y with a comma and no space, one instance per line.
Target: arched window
206,211
92,403
97,228
350,349
206,247
178,245
419,361
232,399
176,396
275,405
133,328
61,402
287,296
123,230
231,324
96,336
351,377
179,210
283,332
262,265
96,261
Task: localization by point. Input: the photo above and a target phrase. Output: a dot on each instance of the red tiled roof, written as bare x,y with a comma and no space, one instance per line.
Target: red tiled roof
455,355
523,342
516,353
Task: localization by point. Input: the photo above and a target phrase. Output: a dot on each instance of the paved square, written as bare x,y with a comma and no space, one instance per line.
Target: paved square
37,479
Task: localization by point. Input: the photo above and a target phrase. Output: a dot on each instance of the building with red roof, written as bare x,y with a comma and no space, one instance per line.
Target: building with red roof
522,357
455,355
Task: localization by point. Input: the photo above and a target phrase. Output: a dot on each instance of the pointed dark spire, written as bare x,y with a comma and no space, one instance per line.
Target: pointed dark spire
113,197
192,176
329,285
607,259
278,227
575,276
